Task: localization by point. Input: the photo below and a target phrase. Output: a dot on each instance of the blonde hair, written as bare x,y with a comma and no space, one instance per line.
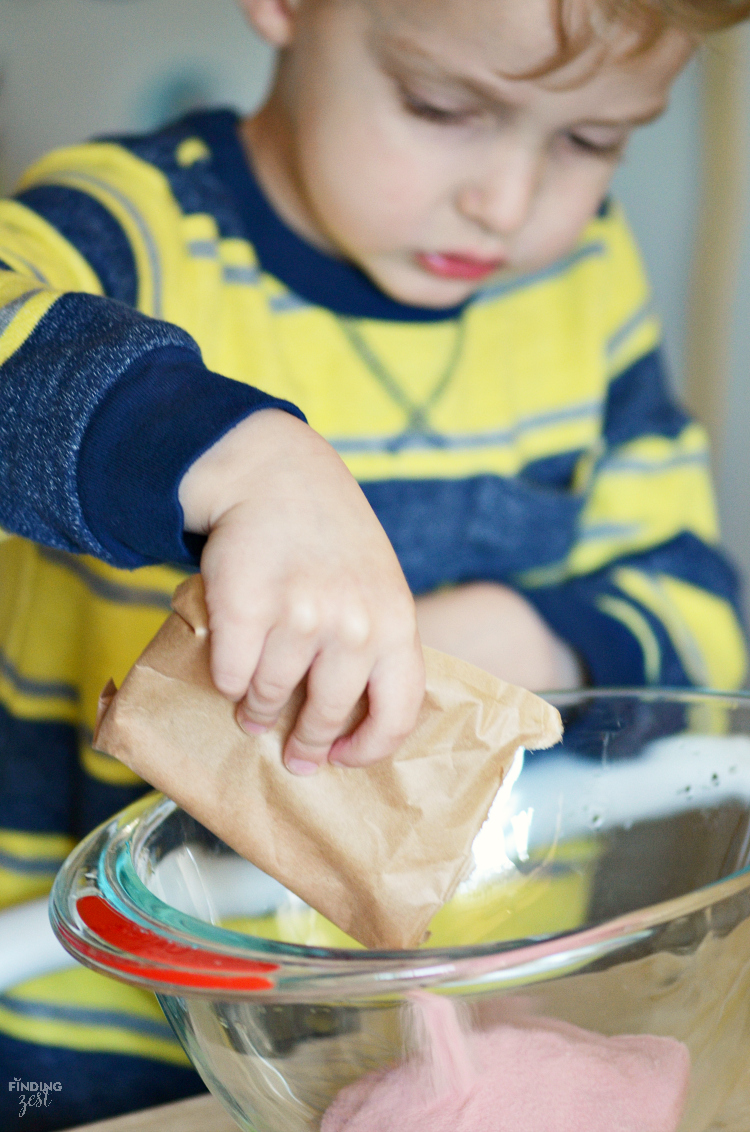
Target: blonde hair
647,19
696,16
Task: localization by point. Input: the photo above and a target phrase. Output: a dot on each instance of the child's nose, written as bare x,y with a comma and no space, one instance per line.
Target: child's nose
501,197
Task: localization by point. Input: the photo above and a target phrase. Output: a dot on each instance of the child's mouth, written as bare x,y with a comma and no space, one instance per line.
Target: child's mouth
450,265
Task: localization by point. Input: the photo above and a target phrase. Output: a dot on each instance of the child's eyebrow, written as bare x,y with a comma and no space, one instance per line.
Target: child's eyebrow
399,52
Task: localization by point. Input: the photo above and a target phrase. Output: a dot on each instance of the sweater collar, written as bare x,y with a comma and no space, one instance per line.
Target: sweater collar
312,275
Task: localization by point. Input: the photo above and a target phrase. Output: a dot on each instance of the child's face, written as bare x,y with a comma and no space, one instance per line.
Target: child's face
395,137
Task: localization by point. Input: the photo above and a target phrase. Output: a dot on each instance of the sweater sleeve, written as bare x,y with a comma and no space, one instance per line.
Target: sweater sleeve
102,408
646,596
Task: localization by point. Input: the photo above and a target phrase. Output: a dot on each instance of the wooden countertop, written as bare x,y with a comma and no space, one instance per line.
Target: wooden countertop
198,1114
205,1114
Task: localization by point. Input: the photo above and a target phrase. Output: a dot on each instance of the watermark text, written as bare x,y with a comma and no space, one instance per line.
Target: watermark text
33,1094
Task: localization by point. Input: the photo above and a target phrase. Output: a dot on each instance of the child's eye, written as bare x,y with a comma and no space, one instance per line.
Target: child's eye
597,149
433,113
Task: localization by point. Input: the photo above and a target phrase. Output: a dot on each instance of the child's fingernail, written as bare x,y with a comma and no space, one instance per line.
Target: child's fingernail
250,726
301,767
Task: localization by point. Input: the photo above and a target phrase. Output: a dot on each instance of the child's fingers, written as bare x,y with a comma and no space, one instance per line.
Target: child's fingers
395,692
335,682
287,654
236,647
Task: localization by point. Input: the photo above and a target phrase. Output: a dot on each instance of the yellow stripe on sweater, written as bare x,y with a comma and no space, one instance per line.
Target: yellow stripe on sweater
81,1009
702,626
29,863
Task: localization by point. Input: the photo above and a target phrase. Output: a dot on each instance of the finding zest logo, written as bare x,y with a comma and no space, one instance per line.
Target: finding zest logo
33,1094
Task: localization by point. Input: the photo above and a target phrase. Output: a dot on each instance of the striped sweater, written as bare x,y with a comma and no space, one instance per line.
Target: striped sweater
150,298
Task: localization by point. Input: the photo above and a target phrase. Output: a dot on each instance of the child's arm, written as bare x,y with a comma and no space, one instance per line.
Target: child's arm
496,628
103,411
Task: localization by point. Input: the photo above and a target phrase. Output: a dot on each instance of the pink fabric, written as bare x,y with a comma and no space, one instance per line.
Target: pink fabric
540,1076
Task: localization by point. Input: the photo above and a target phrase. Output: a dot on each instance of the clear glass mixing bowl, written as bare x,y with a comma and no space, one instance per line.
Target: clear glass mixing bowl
610,889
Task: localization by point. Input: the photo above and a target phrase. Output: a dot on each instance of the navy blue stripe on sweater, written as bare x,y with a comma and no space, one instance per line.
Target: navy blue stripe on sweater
639,403
43,788
37,774
94,1086
490,527
93,231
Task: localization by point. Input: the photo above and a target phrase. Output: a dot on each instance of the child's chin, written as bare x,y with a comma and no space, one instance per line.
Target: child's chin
418,288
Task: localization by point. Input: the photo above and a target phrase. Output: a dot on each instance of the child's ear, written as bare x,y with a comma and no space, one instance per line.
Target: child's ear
274,20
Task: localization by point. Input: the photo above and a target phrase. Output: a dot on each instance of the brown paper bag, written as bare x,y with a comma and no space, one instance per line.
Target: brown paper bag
376,850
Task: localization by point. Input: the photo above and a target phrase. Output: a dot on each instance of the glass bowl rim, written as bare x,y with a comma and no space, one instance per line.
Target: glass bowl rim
129,895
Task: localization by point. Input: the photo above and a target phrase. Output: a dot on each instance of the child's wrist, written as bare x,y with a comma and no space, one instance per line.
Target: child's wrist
222,476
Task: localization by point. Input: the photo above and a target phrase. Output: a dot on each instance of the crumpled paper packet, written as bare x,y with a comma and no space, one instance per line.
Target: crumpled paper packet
376,850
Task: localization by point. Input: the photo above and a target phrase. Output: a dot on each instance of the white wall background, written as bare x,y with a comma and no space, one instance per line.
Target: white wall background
73,68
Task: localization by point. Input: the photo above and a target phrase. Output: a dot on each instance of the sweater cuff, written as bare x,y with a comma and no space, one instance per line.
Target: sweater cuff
612,656
164,412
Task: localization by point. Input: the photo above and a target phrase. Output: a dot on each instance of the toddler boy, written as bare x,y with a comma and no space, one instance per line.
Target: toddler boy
410,244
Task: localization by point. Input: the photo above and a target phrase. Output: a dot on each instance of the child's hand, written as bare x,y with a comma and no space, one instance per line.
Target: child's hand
301,578
494,627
